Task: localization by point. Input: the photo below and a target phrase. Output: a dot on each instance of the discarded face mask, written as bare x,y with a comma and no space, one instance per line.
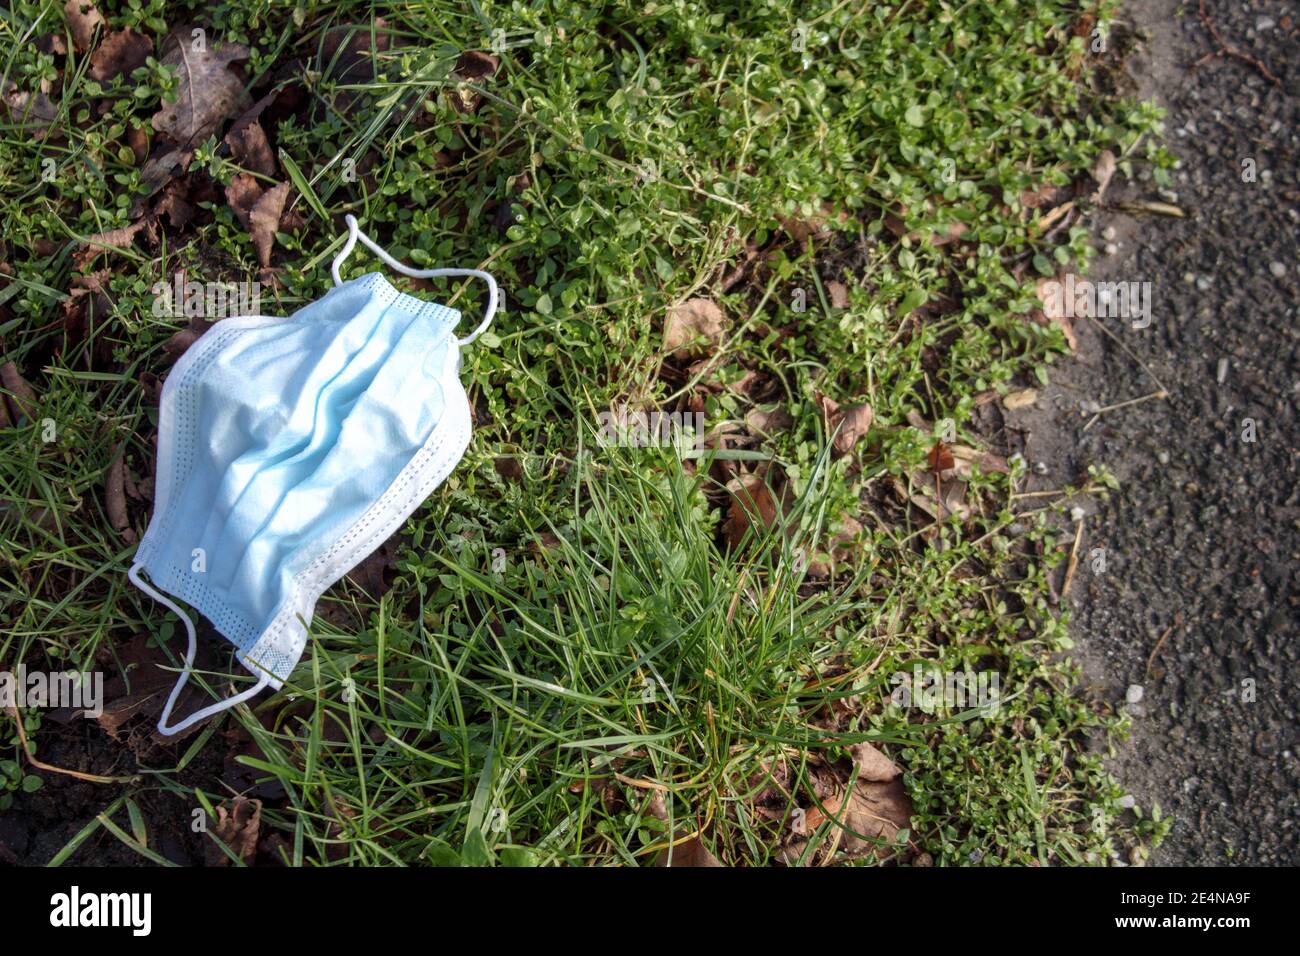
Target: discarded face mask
289,449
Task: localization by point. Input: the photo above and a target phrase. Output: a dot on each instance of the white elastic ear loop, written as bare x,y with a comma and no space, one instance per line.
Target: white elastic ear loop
194,718
355,233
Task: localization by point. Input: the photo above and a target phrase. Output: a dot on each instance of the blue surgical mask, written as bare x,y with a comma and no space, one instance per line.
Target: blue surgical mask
289,449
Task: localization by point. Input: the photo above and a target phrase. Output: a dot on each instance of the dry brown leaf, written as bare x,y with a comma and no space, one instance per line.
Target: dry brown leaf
348,53
869,816
121,52
162,167
749,382
476,65
509,468
799,227
545,543
208,92
1103,171
751,503
179,343
839,295
52,43
249,146
692,328
142,675
174,205
964,457
951,233
1053,309
238,828
1024,398
21,396
34,111
82,19
852,423
1044,196
242,195
950,501
115,497
264,220
871,764
940,458
138,140
109,241
690,852
767,422
869,825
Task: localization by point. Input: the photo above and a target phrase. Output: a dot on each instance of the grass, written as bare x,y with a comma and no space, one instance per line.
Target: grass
571,665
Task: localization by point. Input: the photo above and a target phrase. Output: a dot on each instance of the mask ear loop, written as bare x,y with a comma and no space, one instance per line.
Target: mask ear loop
355,233
206,712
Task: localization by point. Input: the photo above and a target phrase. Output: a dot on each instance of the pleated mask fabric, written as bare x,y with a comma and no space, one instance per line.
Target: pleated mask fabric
289,449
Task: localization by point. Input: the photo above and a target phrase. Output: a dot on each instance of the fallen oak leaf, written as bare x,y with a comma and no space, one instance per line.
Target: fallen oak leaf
115,497
174,206
250,149
110,241
264,220
940,458
238,828
21,396
839,294
871,764
751,504
34,111
208,91
242,195
83,19
867,820
964,456
180,341
847,424
1055,309
769,421
121,52
688,852
691,327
